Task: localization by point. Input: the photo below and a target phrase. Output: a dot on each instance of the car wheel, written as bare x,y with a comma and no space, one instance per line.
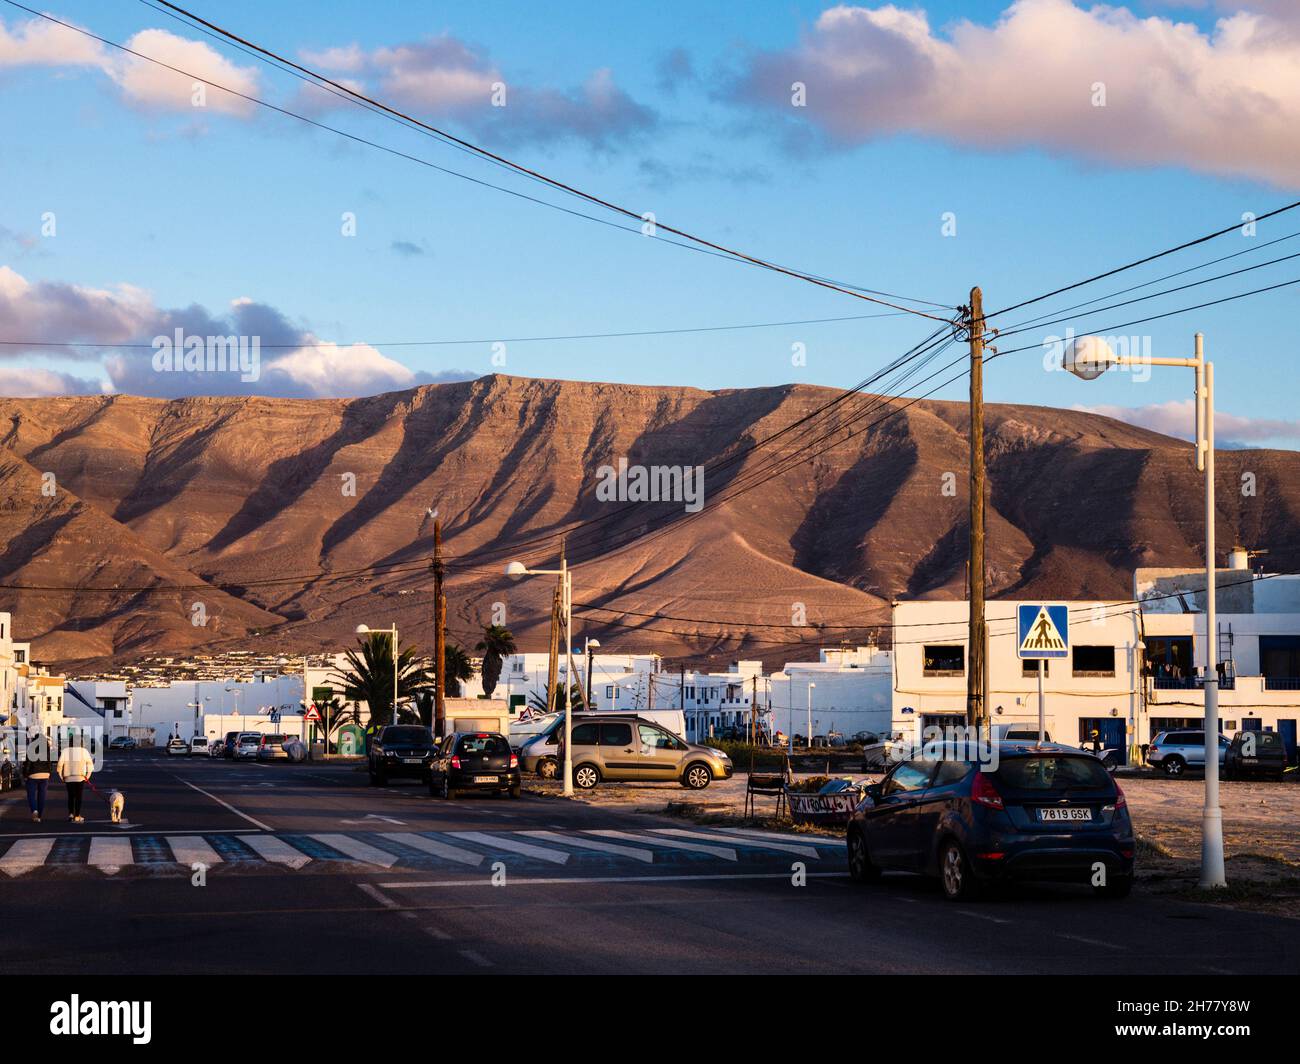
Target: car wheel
586,777
955,872
1117,887
1174,766
861,870
697,776
547,768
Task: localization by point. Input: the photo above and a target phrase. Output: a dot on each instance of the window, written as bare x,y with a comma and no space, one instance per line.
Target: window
951,772
616,735
586,734
909,776
483,744
1029,667
1093,661
609,691
655,739
943,660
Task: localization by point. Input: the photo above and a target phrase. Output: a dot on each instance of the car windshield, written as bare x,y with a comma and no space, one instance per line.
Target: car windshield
1053,773
406,734
482,744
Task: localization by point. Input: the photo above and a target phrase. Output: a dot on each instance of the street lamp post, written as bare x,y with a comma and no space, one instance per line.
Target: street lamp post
1087,357
516,570
590,646
390,631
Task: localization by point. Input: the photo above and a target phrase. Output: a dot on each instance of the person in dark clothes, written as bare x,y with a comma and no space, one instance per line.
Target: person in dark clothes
37,768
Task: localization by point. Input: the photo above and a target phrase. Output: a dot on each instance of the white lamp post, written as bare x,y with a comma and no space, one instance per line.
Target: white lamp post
808,740
363,629
590,646
517,570
1088,357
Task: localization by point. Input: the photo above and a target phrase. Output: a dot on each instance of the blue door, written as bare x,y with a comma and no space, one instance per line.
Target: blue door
1113,737
1286,729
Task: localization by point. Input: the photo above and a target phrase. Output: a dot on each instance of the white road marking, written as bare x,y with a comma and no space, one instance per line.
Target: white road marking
110,855
222,801
358,850
542,853
694,847
277,851
806,840
1088,941
563,880
24,855
591,844
476,958
806,852
192,851
981,916
375,893
438,849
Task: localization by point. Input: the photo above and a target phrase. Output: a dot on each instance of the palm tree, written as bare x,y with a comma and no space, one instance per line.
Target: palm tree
576,696
497,642
457,668
368,675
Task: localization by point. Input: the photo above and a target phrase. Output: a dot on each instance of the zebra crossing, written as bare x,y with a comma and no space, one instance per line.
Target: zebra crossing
674,849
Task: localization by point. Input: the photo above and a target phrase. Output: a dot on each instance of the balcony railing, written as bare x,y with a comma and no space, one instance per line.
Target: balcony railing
1282,683
1191,683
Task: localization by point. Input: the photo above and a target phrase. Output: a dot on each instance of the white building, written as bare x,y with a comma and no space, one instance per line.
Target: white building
180,707
523,678
847,690
99,703
1134,669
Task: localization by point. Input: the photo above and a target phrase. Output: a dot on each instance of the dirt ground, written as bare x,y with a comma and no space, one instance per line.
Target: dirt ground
1261,828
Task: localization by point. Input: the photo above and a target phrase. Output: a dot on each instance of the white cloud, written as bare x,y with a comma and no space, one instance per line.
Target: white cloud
291,360
38,42
1177,418
1227,102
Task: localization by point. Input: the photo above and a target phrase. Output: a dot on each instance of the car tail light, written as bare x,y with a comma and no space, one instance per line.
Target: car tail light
514,760
455,762
983,791
995,855
1120,801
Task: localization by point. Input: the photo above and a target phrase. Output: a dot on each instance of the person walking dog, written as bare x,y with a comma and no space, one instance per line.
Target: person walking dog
36,772
75,767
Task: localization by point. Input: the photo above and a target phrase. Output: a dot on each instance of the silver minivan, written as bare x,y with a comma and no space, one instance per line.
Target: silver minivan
630,748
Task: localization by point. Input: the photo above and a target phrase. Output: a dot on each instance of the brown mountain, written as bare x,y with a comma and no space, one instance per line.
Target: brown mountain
244,507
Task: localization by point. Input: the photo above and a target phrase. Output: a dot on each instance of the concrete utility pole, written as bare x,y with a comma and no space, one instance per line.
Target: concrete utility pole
439,633
976,707
553,657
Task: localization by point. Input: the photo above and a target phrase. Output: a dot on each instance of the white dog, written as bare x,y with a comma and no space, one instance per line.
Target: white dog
116,803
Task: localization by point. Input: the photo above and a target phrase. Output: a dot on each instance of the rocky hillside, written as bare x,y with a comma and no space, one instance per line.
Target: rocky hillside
191,524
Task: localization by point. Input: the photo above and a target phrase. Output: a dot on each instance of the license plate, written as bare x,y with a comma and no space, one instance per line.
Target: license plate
485,779
411,760
1069,814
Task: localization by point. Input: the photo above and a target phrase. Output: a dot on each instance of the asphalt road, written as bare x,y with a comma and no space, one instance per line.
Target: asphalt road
250,868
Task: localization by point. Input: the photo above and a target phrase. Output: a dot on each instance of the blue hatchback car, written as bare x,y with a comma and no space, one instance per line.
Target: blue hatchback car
1035,813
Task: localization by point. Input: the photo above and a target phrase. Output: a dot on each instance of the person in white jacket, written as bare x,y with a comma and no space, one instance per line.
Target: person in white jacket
74,768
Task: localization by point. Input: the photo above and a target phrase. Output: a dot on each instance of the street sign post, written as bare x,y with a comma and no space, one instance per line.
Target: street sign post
1042,633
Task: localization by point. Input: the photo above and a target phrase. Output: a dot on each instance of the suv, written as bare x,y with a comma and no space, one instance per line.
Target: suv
627,747
199,745
1255,753
1046,812
246,745
271,748
228,744
399,750
1176,751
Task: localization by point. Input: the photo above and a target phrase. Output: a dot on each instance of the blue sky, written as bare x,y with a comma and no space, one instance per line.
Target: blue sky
166,214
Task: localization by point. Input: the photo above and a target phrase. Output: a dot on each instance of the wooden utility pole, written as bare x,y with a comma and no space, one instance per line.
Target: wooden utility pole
976,709
553,659
439,632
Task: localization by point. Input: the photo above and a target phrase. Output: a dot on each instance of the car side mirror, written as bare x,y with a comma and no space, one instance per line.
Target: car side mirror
872,791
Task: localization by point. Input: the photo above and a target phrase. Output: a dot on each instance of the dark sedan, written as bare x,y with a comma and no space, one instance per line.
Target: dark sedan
474,761
400,750
1034,813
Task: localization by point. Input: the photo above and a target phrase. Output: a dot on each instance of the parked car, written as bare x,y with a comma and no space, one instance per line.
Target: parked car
271,748
627,747
1177,751
229,743
400,750
538,754
481,761
247,745
217,748
1255,753
199,745
521,731
1019,733
122,742
1045,813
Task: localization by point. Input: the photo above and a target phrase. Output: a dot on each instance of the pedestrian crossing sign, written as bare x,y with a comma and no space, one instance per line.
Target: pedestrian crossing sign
1043,630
